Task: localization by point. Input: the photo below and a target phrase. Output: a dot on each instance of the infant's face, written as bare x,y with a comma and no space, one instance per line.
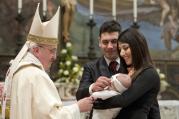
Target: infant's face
122,76
124,79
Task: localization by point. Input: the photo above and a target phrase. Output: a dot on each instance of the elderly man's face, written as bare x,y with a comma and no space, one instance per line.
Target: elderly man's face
47,55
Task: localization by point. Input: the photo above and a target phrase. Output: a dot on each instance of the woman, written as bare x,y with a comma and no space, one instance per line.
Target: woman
140,100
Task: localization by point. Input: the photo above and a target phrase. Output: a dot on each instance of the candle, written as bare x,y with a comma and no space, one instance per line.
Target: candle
114,9
91,9
135,10
44,7
19,6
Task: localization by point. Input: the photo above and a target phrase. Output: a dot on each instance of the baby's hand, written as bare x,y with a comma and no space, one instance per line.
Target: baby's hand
130,71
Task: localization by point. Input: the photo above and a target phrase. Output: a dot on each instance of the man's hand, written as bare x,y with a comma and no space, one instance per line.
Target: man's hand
86,104
101,83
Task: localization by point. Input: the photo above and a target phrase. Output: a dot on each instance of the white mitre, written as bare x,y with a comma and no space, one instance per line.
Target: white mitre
46,32
40,33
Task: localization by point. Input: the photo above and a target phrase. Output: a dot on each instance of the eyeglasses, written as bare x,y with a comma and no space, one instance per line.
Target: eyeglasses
51,50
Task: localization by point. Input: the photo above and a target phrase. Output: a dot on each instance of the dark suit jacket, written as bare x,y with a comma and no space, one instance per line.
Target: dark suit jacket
92,71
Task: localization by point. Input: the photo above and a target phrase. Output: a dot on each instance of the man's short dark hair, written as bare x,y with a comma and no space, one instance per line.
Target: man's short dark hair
110,26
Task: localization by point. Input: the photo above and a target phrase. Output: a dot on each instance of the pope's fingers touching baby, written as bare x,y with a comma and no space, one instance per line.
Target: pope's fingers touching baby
86,104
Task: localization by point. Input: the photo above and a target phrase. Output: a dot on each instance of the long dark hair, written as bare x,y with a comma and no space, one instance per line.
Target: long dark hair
139,49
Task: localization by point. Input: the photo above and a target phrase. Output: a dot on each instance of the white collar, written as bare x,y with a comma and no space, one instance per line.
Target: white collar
108,61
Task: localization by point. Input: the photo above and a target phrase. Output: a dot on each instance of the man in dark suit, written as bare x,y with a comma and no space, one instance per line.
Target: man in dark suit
95,72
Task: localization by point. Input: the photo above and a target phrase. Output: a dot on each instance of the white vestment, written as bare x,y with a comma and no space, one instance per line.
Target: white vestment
34,95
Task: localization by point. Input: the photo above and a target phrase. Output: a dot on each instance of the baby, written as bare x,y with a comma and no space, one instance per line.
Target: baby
119,83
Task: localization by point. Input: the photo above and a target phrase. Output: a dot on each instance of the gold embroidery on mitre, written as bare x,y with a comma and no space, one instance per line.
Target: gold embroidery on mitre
42,40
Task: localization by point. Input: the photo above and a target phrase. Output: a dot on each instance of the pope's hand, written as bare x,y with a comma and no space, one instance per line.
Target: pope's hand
85,104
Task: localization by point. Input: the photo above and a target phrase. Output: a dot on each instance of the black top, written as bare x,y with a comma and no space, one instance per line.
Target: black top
138,102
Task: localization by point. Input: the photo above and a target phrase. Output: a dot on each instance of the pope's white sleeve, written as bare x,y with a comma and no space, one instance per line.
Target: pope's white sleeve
48,103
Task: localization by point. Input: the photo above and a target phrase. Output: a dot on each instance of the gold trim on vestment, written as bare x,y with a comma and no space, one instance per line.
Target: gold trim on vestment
42,40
